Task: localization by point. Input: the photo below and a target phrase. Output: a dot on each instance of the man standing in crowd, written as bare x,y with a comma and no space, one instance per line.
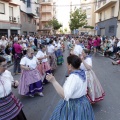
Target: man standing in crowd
17,56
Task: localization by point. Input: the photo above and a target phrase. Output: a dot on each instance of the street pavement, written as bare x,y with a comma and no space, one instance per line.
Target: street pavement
41,108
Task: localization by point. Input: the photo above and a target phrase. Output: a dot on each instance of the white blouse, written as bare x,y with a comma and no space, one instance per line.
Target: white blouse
77,50
88,60
74,87
51,48
40,54
58,45
32,63
6,80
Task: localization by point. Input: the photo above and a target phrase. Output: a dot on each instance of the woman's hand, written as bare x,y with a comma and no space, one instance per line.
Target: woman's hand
50,78
16,83
27,68
45,56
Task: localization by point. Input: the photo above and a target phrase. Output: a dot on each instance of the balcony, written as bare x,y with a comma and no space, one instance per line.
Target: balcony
46,2
45,19
46,11
105,5
14,2
31,11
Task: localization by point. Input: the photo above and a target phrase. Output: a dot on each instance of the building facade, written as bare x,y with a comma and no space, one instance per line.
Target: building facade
88,7
46,14
108,17
29,11
9,20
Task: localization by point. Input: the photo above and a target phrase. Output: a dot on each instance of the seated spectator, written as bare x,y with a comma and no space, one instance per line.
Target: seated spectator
8,53
104,46
117,55
116,62
118,44
1,51
109,51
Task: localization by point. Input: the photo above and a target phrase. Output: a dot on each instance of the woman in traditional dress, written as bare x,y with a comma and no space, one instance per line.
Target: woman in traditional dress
74,104
52,57
95,91
44,66
30,82
10,106
58,52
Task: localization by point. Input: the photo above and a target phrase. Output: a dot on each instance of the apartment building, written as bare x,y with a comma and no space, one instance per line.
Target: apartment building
88,7
9,17
46,14
29,11
108,17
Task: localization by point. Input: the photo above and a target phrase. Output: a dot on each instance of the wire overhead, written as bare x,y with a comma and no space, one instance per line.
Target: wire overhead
65,5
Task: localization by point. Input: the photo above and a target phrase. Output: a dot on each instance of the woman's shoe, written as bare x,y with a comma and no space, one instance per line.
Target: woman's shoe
41,94
31,96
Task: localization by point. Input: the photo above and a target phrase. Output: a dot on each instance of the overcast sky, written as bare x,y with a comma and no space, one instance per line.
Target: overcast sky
63,12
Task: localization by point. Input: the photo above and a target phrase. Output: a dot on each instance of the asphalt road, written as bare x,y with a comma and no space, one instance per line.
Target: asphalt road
40,108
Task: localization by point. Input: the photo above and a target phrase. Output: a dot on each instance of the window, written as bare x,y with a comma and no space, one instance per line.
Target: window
29,19
3,32
104,15
112,11
25,33
88,16
84,8
34,22
111,29
11,11
2,8
37,10
100,17
28,3
88,7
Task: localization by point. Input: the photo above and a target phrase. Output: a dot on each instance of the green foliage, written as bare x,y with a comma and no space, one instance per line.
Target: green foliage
55,24
65,30
61,31
77,19
91,27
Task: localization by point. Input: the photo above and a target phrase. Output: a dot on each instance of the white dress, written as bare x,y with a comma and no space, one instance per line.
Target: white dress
77,50
6,80
95,91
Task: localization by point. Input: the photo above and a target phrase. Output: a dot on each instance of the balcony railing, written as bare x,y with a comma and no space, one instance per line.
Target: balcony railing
47,10
46,2
102,6
45,19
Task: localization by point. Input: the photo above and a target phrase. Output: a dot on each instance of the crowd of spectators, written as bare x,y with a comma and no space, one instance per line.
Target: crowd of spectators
107,46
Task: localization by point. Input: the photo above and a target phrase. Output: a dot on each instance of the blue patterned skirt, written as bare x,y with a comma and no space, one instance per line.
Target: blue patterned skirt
75,109
59,56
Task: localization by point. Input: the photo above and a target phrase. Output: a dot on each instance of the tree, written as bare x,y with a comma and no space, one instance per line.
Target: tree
65,30
55,24
61,31
77,19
